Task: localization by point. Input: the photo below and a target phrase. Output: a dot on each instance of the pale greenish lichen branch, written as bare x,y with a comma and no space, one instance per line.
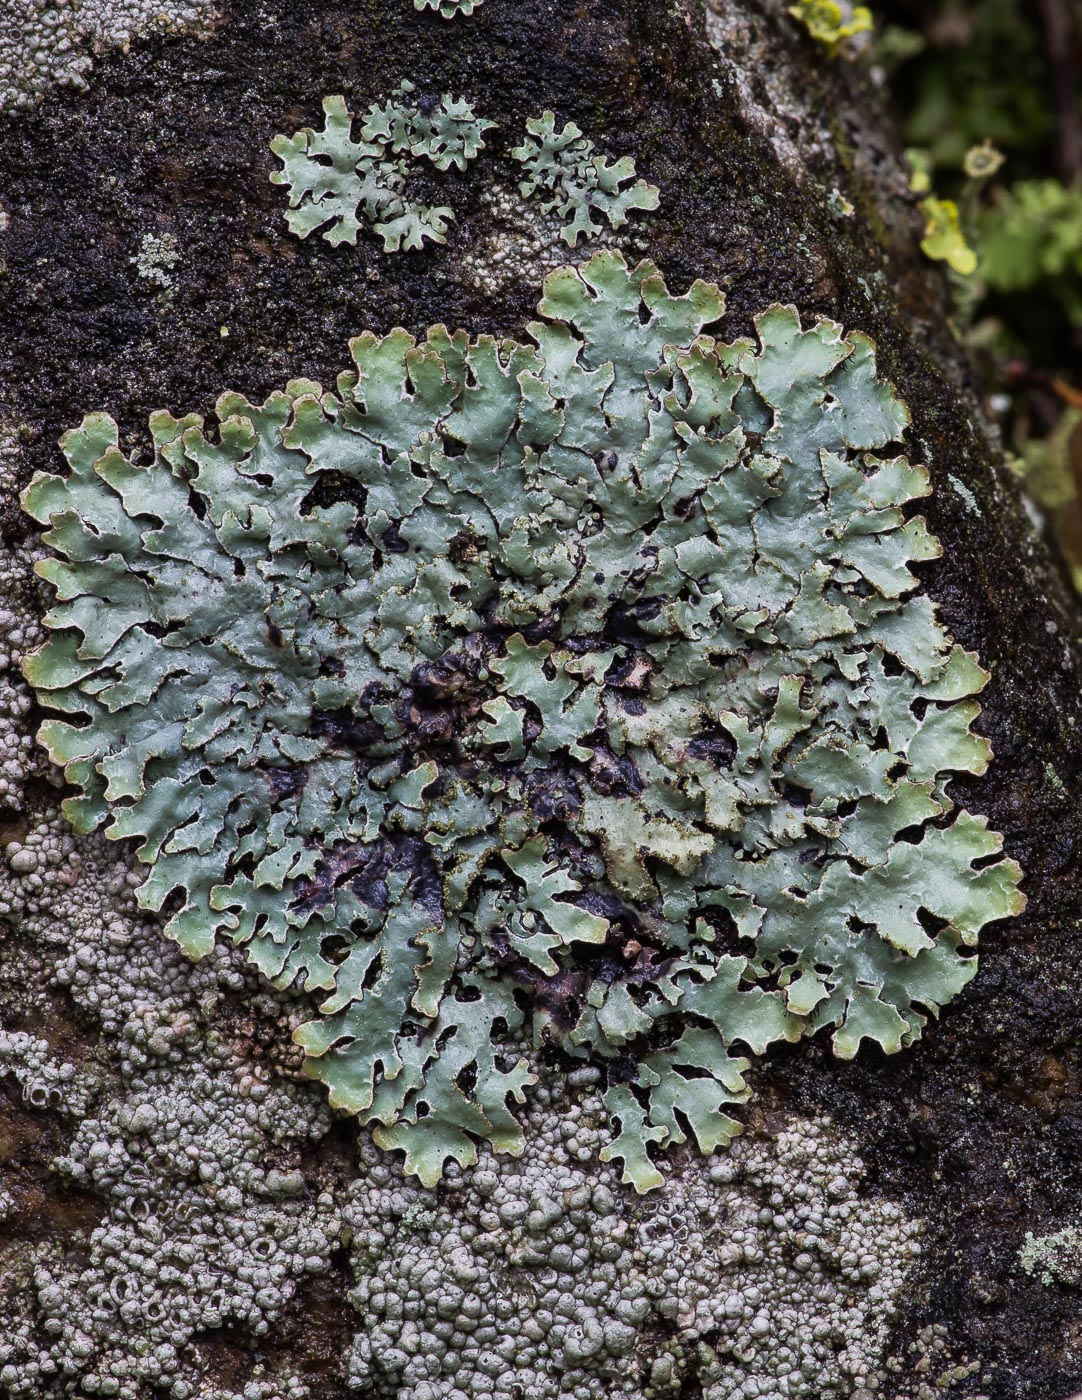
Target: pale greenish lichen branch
574,180
448,9
580,687
337,181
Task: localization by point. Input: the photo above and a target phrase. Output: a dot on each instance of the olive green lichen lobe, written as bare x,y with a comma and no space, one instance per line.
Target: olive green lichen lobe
579,687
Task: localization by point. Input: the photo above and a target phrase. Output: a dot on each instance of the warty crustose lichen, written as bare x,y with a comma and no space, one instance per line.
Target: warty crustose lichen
578,687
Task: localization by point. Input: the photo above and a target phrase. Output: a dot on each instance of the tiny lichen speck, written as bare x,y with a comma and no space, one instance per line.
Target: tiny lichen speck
579,688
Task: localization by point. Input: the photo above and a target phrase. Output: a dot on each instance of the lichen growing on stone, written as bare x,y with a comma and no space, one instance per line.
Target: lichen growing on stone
156,259
335,180
20,632
1054,1258
203,1217
579,687
45,44
769,1273
574,180
447,9
444,131
772,1268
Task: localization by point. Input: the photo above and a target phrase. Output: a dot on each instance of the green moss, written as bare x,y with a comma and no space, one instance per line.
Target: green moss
579,687
1032,236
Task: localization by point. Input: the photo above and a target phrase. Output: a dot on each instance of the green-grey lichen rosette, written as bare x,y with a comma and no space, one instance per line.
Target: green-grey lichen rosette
578,689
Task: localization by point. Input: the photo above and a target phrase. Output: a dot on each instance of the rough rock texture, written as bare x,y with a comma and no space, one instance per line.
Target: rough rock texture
52,43
777,179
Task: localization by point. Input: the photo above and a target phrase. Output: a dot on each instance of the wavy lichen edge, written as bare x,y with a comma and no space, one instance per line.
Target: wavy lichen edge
578,688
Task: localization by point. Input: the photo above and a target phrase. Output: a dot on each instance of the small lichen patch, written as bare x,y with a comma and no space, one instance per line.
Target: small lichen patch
580,686
45,44
335,180
573,179
518,244
1054,1258
444,131
447,9
965,494
156,259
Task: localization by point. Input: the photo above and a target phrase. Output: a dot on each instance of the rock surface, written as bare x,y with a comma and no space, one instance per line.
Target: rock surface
159,1151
